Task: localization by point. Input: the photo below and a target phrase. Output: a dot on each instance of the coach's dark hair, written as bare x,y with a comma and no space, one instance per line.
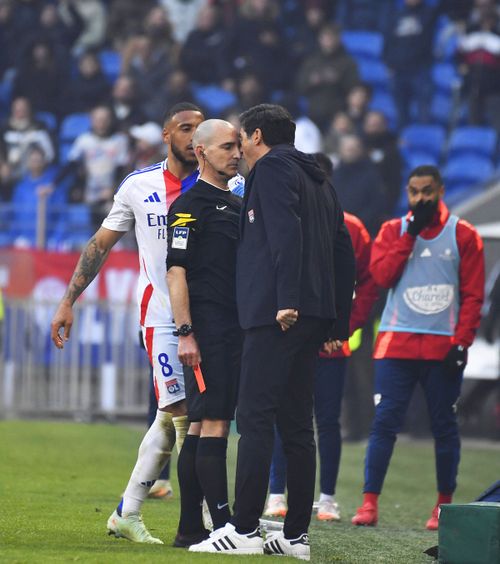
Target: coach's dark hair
427,170
275,123
180,107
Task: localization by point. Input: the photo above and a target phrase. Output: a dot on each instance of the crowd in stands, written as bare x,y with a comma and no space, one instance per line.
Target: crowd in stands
379,86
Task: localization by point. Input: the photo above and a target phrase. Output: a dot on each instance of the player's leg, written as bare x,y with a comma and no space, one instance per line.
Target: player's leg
328,392
395,381
157,444
276,502
442,392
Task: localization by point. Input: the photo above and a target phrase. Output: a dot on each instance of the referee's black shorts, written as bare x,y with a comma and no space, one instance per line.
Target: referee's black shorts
220,339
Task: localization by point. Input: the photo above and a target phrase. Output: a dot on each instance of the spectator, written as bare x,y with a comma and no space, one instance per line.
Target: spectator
125,20
17,134
326,76
358,100
149,58
250,90
61,33
304,39
103,155
257,45
359,185
203,53
40,78
89,88
147,145
94,17
479,52
11,29
175,90
183,15
34,186
408,54
382,147
125,103
340,125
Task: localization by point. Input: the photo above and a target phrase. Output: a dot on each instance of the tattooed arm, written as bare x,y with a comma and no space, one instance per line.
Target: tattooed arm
93,256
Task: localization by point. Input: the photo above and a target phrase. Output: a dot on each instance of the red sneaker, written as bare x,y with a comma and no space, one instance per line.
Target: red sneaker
366,515
433,523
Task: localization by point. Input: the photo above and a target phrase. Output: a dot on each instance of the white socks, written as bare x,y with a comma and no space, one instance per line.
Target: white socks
326,497
181,425
154,452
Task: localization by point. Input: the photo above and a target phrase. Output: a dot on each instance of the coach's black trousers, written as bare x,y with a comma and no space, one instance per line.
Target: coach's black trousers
276,386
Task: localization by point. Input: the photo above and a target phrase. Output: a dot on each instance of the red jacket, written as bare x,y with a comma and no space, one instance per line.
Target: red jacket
366,292
391,250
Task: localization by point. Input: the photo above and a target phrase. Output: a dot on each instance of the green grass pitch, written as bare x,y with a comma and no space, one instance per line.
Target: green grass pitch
60,481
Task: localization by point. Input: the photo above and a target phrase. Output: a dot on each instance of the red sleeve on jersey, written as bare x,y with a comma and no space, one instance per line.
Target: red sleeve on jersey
471,276
390,252
366,289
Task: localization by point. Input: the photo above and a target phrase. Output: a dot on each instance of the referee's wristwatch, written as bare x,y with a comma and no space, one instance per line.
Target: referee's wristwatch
183,331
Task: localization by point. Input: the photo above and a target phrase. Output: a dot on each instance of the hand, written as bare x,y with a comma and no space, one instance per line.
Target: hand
62,318
454,362
332,346
286,318
188,351
422,215
44,190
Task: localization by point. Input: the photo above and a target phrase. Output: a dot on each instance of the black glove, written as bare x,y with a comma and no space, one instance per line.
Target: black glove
456,359
423,213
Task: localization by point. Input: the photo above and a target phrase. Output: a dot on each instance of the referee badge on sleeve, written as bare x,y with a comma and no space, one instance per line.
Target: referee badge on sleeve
180,238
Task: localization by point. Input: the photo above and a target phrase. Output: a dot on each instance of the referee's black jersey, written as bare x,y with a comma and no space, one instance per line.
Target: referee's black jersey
203,231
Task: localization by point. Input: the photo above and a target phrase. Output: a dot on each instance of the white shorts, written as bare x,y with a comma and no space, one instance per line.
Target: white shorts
161,347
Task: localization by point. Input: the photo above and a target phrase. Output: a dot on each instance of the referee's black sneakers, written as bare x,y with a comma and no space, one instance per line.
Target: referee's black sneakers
276,543
227,541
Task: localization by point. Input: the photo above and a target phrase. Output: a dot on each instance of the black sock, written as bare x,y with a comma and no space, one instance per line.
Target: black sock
212,474
190,520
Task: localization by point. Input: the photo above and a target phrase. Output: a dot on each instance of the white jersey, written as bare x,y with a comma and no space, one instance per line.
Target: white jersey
144,198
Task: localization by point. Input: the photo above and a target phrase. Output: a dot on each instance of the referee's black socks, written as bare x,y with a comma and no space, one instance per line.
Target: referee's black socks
212,475
191,520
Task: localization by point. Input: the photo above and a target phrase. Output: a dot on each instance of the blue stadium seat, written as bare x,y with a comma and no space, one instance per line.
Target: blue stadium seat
470,139
418,158
214,98
441,109
48,119
373,72
364,44
72,126
74,228
467,169
428,139
445,78
111,62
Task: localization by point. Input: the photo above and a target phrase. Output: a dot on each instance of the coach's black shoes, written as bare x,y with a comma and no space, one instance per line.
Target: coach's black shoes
185,541
276,543
227,540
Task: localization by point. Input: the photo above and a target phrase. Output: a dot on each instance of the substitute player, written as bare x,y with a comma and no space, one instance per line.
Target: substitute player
433,264
201,261
142,201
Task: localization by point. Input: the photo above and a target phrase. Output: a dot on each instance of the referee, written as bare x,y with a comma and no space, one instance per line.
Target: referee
201,263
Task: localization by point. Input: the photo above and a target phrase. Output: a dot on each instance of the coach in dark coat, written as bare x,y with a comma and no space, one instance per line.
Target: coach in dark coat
295,279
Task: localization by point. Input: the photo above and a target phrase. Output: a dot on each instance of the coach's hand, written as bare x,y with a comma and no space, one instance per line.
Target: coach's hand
188,351
63,318
286,318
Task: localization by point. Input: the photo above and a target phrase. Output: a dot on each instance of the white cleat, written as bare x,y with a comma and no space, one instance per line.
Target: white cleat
276,543
276,506
227,541
131,527
328,510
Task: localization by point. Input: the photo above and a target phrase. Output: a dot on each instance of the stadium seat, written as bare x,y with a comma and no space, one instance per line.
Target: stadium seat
384,102
363,44
72,126
470,139
214,98
373,72
445,78
467,168
48,119
421,138
111,62
418,158
442,109
74,227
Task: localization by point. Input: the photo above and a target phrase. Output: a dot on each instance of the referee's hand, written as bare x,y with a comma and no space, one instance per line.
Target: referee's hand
63,318
188,351
286,318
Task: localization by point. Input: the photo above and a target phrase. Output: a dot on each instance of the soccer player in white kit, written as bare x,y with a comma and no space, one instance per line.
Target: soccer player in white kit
142,200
